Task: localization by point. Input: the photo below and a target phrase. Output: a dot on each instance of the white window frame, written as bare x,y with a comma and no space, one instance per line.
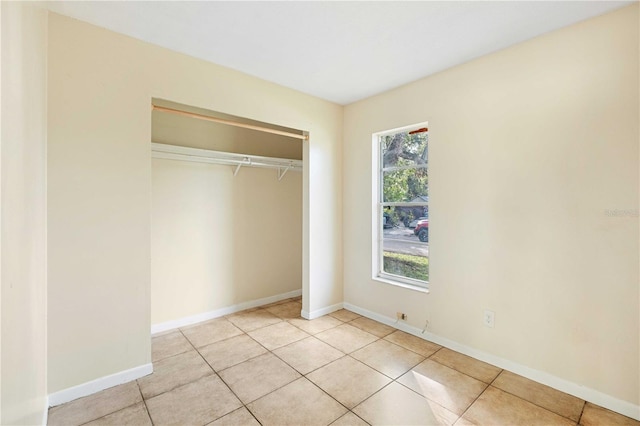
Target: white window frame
377,215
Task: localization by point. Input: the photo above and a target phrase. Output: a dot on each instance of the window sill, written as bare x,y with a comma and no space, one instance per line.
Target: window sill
391,281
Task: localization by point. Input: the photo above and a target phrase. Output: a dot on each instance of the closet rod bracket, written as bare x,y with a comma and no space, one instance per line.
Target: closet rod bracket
282,173
246,161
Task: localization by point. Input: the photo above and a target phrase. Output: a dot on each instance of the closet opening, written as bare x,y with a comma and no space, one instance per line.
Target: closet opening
227,214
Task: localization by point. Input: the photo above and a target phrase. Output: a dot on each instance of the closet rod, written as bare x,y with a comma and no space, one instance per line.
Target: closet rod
229,122
183,153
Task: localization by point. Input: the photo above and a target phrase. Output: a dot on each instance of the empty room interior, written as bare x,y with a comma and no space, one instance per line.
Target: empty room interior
298,213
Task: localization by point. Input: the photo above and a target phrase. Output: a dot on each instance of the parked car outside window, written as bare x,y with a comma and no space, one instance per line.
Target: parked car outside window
422,230
414,223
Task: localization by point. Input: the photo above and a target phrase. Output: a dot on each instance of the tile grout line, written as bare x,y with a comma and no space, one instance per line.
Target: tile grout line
584,403
377,338
315,369
252,415
172,356
480,394
349,410
383,373
537,405
582,412
108,414
409,349
144,401
258,308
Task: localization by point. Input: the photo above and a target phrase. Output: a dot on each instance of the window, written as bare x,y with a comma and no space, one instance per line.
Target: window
401,247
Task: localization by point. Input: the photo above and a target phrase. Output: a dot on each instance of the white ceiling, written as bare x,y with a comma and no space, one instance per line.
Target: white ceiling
339,51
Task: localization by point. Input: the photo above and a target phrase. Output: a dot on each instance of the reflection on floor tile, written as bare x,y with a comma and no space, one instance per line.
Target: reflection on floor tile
269,366
388,358
451,389
495,407
397,405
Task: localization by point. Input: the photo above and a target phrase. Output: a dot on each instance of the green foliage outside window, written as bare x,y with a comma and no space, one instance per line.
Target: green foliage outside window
405,150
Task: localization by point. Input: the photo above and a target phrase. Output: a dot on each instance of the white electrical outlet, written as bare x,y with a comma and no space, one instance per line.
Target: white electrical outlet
489,318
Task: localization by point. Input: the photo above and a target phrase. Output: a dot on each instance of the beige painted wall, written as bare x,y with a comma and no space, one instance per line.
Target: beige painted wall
23,378
100,89
530,148
218,240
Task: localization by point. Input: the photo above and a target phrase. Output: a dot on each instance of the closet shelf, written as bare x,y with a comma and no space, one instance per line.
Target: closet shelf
197,155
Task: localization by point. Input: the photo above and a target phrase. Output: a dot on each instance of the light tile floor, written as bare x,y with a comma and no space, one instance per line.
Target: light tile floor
269,366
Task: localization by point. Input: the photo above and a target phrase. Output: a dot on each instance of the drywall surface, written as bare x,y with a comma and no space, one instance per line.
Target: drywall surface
534,203
101,85
23,215
218,240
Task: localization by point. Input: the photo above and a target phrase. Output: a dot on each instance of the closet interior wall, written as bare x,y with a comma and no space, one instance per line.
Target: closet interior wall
220,240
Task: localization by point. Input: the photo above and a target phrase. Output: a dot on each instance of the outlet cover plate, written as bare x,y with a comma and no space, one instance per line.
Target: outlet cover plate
489,318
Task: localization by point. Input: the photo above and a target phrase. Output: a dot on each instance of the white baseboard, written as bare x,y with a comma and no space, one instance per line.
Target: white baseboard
320,312
97,385
591,395
205,316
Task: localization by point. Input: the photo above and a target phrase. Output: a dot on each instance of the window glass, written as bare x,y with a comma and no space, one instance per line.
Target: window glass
403,207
